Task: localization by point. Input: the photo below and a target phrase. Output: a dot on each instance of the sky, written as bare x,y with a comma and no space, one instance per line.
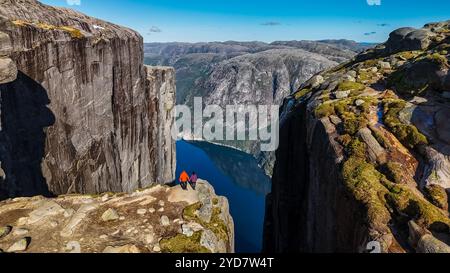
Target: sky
263,20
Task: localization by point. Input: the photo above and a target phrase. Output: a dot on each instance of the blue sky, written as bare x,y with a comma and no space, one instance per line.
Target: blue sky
263,20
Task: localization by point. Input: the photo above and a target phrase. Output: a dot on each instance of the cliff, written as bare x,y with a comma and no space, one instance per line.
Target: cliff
80,111
364,153
157,219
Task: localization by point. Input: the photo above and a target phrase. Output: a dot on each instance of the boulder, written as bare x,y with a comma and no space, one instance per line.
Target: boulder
121,249
408,39
342,94
5,231
165,221
375,151
110,215
20,245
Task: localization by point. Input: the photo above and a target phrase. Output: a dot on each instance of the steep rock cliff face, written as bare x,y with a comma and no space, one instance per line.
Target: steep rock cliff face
363,157
83,114
152,220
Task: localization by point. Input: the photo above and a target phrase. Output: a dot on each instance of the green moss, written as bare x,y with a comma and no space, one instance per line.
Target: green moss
424,213
352,86
302,93
324,110
394,172
380,138
353,125
216,225
437,59
408,134
345,140
437,196
407,55
405,86
183,244
363,182
366,76
356,148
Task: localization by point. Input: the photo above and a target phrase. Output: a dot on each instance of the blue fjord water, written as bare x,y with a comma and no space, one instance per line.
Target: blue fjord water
237,176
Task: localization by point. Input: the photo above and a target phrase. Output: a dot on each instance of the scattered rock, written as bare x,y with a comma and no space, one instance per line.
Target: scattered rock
121,249
20,231
149,238
208,240
359,102
187,230
105,198
161,203
316,81
384,65
151,210
341,94
161,210
46,210
141,211
73,247
68,213
156,249
20,245
110,215
5,231
165,221
103,236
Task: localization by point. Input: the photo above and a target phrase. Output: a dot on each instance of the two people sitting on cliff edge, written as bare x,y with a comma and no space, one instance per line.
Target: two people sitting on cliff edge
185,179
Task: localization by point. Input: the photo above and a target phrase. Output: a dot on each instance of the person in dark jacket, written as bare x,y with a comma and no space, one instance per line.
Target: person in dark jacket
193,180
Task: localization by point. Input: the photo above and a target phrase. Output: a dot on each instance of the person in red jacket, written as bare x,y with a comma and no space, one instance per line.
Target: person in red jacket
184,179
193,180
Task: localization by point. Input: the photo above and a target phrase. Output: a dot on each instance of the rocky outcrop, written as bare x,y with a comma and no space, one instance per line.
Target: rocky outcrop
363,156
156,219
83,114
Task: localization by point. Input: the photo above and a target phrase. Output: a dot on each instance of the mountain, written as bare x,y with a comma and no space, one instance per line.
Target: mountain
233,72
364,156
195,61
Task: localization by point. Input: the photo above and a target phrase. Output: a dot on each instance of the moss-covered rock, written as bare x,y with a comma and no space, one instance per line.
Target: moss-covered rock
437,196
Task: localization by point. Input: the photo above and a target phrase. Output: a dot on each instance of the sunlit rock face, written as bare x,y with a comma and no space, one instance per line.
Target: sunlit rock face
82,114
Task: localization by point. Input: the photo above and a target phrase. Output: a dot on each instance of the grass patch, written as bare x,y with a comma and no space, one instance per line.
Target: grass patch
437,196
352,86
183,244
302,93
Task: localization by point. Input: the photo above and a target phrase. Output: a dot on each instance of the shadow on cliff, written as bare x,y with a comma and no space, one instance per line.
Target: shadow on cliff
24,117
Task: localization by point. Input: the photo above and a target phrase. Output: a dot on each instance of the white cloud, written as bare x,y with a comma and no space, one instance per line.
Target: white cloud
374,2
73,2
